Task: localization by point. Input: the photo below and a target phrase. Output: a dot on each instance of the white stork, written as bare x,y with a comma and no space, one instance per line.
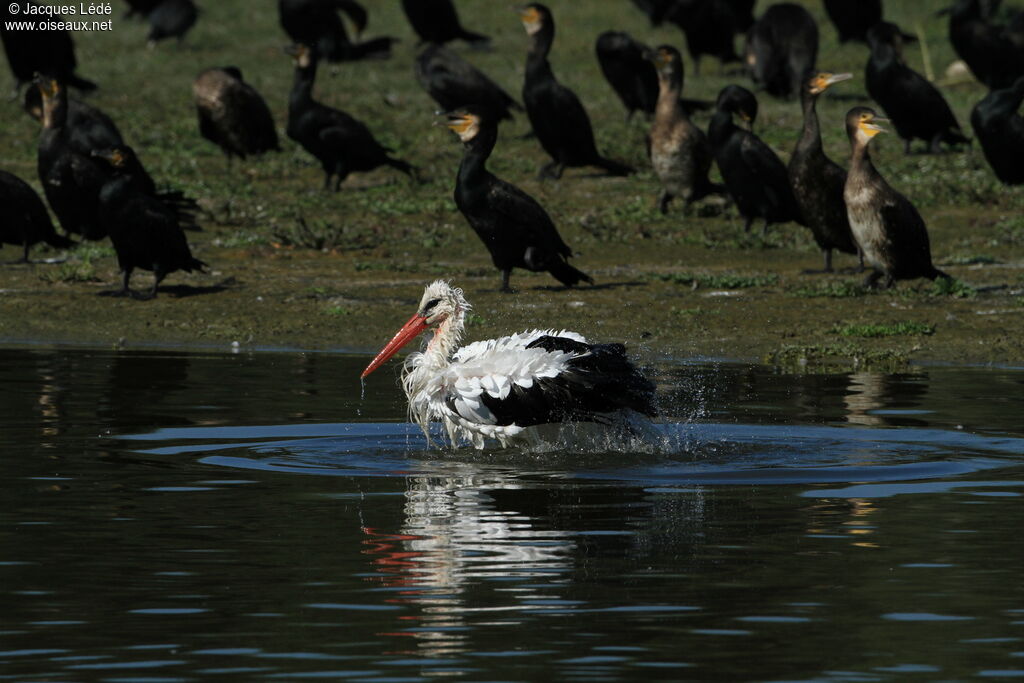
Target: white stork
507,388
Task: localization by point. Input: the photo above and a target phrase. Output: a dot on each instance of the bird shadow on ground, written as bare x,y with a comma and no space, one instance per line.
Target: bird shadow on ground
176,291
599,286
184,291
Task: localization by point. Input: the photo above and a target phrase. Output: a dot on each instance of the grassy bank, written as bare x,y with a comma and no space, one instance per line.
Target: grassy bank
293,266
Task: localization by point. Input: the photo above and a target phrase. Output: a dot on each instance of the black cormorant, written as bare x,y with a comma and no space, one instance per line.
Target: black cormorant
140,8
633,76
89,127
453,82
23,217
232,115
781,47
818,181
130,166
916,107
754,175
71,180
437,21
144,230
171,19
680,152
889,230
513,226
556,114
853,18
316,23
340,142
994,53
47,51
710,26
628,71
1000,130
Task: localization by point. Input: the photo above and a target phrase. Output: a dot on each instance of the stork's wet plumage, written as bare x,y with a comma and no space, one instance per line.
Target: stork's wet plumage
507,387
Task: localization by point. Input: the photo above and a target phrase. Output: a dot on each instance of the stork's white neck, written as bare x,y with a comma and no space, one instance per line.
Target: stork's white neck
441,346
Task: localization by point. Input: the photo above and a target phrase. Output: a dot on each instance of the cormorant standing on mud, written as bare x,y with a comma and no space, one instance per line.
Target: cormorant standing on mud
853,18
232,115
817,181
781,47
23,217
71,181
316,23
437,21
891,234
45,51
916,108
171,19
556,114
680,152
129,165
340,142
144,230
453,82
516,230
1000,130
754,175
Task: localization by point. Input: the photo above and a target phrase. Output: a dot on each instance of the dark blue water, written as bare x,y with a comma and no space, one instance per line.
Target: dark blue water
178,517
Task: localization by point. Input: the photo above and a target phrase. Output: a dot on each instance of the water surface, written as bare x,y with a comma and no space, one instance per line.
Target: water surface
173,516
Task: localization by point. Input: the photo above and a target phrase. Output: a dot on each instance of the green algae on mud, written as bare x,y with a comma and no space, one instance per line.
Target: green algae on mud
293,266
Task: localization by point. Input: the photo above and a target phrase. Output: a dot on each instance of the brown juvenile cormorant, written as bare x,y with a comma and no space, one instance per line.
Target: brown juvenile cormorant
889,230
1000,130
915,106
436,21
754,175
89,128
340,142
71,180
818,181
680,152
144,230
232,115
316,23
453,82
171,19
513,226
23,217
45,51
556,114
781,47
995,54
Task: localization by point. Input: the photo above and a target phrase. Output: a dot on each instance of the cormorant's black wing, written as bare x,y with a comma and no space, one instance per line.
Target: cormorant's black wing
520,212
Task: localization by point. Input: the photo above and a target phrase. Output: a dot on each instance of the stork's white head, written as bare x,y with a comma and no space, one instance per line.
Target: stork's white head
441,304
441,301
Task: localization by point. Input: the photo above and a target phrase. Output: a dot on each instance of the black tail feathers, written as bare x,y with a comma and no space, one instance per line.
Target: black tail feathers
614,167
568,275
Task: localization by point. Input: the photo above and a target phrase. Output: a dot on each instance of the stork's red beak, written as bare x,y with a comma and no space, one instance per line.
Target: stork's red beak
409,331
